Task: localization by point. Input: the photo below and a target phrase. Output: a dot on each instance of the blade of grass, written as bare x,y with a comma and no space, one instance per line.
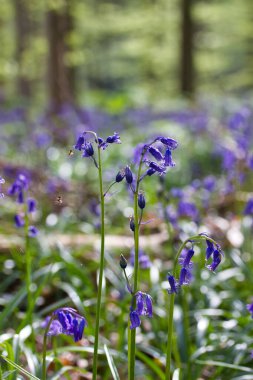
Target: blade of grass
225,365
111,364
20,369
151,364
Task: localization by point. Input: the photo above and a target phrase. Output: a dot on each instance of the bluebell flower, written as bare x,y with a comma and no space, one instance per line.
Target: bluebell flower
209,183
168,158
79,143
128,175
32,231
144,260
187,209
250,309
216,260
173,284
143,307
249,207
177,192
67,321
31,205
88,150
134,319
149,307
158,168
19,221
144,304
150,172
185,276
18,187
250,162
185,259
170,143
115,139
141,201
155,153
209,249
140,308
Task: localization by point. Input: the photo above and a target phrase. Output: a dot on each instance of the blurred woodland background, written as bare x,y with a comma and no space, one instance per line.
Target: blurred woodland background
122,52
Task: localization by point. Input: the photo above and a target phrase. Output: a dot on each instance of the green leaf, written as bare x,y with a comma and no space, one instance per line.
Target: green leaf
8,373
111,364
224,365
151,363
20,369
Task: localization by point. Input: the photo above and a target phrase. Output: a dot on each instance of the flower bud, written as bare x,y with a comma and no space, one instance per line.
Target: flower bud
123,262
132,225
129,175
120,176
141,201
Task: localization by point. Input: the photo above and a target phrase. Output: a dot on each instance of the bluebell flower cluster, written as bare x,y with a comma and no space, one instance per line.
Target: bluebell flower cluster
213,252
86,146
66,321
19,189
160,150
83,144
143,307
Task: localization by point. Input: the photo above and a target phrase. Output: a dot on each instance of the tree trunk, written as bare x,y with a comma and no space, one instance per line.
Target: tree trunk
187,63
23,30
61,76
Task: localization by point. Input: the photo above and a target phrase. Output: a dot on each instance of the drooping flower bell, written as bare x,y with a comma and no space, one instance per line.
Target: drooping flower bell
216,260
79,143
115,139
170,143
209,249
88,150
173,284
134,319
156,153
143,307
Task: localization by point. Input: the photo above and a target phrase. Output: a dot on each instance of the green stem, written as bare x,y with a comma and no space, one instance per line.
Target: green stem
186,332
170,333
44,364
195,238
101,267
28,269
132,335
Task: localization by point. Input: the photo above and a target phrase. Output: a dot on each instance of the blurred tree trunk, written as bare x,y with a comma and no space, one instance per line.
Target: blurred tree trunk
23,31
187,49
61,76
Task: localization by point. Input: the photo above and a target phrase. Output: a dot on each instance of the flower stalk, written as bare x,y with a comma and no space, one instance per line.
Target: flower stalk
101,267
192,239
